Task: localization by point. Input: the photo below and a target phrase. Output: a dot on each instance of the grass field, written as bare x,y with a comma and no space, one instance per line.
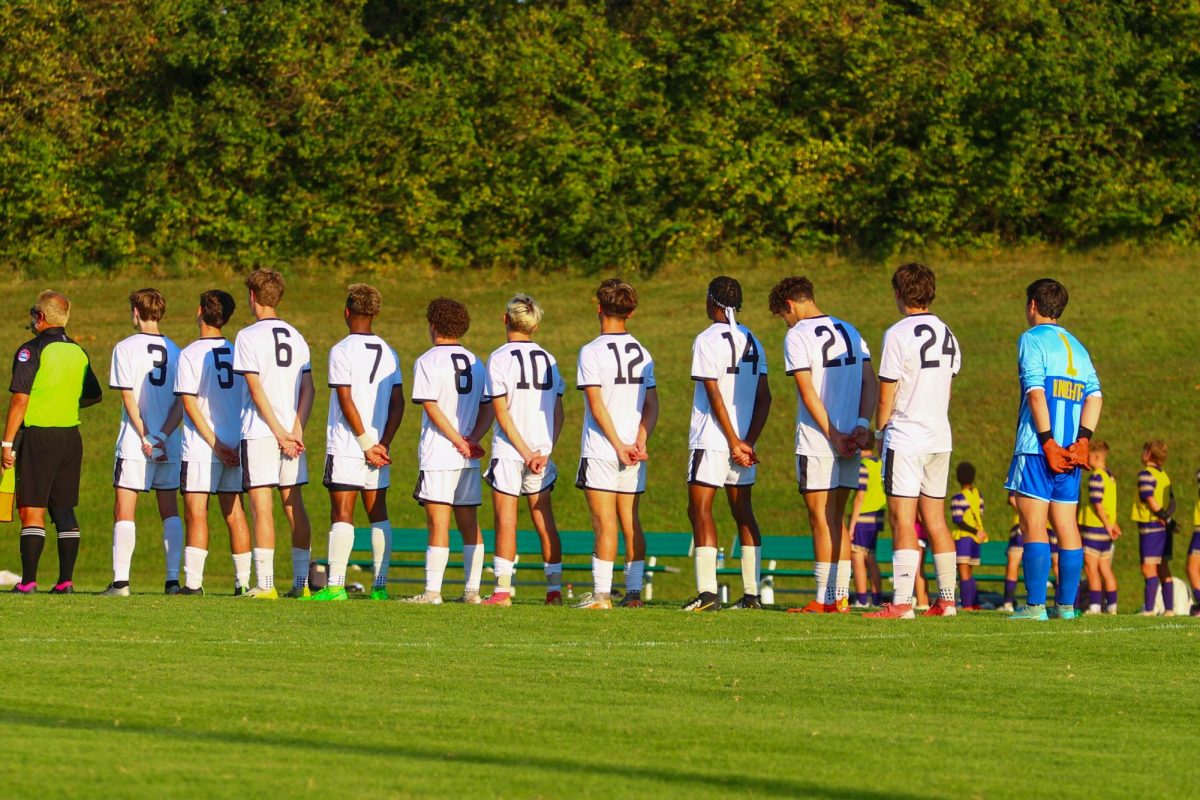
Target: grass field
214,697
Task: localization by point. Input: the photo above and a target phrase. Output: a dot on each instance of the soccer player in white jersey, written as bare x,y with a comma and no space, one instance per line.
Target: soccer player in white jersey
835,390
450,385
273,358
143,370
364,413
919,361
616,375
213,398
729,409
526,389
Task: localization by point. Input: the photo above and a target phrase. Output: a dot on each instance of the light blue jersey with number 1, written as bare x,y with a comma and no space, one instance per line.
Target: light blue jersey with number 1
1050,358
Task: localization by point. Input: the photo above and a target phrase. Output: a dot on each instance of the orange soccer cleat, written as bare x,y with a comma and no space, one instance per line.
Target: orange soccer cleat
892,611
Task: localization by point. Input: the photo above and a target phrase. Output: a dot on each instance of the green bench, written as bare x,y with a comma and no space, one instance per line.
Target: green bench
408,551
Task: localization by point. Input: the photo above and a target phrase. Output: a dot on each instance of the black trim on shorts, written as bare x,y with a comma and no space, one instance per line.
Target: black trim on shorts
697,457
581,481
802,472
327,480
888,455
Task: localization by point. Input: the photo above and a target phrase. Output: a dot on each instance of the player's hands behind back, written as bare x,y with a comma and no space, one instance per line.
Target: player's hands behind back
1059,459
377,456
742,454
226,454
1079,452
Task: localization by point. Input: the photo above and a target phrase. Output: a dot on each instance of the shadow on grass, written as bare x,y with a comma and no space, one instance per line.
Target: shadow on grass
755,784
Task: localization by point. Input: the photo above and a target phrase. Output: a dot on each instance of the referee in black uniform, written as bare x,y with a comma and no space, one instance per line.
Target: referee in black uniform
51,380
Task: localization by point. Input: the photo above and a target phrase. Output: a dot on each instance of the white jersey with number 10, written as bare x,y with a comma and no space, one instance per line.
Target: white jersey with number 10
527,377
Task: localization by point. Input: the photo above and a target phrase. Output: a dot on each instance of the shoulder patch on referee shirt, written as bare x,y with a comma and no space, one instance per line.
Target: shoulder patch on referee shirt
24,355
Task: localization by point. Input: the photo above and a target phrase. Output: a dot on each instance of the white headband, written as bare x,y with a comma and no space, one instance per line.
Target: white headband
730,312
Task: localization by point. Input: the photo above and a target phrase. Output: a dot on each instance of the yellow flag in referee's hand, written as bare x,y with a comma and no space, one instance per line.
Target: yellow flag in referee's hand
8,491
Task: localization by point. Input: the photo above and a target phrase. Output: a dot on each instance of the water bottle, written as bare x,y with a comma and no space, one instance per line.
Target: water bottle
721,558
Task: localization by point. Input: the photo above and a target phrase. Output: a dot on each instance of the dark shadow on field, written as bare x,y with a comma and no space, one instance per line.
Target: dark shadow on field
787,787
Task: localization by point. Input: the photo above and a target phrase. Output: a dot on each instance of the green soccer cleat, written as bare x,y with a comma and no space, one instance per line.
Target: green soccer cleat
328,594
1066,612
299,593
1035,613
379,594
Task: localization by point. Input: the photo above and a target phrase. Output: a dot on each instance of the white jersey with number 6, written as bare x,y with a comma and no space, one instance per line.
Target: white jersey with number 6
145,364
277,353
371,369
451,376
527,377
623,370
921,356
206,373
834,352
734,359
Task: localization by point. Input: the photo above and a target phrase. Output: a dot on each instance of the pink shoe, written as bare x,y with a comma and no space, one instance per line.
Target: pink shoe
503,599
892,611
25,588
942,608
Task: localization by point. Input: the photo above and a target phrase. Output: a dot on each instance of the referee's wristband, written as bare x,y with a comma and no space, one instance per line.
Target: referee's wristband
7,445
1044,436
366,440
863,422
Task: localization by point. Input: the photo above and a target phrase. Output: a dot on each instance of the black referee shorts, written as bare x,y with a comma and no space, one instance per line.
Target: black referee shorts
48,465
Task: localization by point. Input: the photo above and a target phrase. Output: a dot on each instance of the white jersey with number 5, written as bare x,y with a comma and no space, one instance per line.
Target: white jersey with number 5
623,370
145,364
371,369
735,360
527,377
451,376
834,352
921,356
206,373
277,353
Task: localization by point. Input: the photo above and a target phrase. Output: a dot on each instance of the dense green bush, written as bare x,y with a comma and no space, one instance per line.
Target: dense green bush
540,134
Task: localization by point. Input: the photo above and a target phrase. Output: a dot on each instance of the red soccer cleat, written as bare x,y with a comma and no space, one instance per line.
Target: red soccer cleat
503,599
815,607
942,608
892,611
554,598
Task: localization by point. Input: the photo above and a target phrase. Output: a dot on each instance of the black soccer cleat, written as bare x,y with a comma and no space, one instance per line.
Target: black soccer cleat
238,591
171,587
747,601
188,591
631,600
705,601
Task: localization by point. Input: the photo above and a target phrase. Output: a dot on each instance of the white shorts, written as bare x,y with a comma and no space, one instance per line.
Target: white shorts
451,487
209,477
512,477
913,475
349,474
264,464
145,476
603,475
716,469
826,473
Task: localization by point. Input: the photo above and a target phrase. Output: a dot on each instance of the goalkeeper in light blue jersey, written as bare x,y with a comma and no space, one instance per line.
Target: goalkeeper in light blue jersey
1060,407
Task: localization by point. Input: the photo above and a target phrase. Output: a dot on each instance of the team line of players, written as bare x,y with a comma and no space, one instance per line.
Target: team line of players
243,408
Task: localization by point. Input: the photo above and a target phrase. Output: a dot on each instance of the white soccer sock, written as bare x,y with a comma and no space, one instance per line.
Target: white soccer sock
821,570
944,564
173,545
473,555
602,572
193,566
301,556
124,537
1094,608
264,566
751,569
341,542
504,574
842,584
381,551
241,569
435,568
553,574
904,575
706,569
634,573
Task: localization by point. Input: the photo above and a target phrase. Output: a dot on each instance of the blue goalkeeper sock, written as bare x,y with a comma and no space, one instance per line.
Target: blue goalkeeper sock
1036,562
1070,567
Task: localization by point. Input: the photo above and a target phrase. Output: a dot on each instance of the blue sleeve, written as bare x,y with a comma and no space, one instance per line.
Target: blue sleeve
1031,363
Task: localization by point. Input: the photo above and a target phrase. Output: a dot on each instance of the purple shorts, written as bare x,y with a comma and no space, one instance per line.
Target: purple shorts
866,532
967,551
1194,547
1153,543
1097,542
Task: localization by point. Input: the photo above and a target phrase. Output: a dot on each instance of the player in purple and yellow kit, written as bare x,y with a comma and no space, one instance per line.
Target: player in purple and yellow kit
865,525
1060,405
1153,511
1193,557
1098,525
966,512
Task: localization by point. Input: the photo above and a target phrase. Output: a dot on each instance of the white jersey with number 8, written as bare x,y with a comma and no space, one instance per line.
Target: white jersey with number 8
145,364
206,373
451,376
833,351
277,353
623,370
921,356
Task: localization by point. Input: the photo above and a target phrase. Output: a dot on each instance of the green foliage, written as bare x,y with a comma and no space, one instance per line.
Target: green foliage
564,132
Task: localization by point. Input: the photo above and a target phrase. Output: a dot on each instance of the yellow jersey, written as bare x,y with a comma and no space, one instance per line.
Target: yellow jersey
870,482
1099,490
966,511
1152,482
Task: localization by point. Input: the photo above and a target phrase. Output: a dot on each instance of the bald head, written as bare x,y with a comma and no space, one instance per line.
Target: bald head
54,307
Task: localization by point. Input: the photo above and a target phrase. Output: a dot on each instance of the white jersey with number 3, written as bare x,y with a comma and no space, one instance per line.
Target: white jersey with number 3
833,352
921,356
206,373
623,370
365,363
451,376
527,377
735,360
277,353
145,364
